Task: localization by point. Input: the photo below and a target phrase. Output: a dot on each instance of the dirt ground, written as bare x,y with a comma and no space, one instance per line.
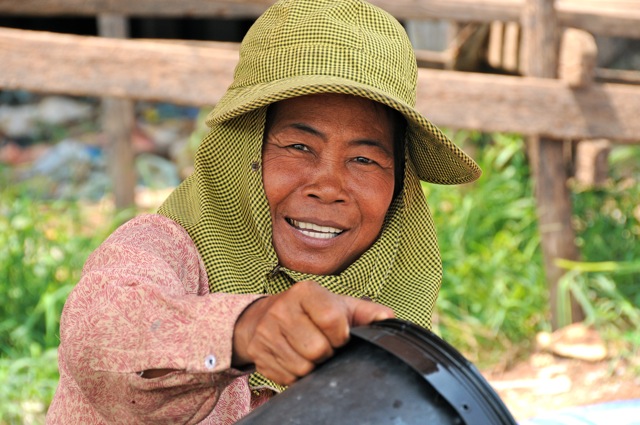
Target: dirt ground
546,382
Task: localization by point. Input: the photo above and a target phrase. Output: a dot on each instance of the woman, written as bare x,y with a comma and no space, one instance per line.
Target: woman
304,217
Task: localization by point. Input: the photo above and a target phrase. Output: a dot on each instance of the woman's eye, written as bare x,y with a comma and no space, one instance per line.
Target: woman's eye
363,160
299,147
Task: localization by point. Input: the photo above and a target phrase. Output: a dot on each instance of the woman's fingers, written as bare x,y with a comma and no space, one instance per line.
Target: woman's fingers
334,314
287,334
281,364
295,345
308,340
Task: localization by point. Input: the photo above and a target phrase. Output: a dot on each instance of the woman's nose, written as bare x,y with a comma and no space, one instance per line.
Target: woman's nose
327,182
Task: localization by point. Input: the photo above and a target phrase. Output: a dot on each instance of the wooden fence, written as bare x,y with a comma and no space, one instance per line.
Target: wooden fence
548,109
605,17
198,73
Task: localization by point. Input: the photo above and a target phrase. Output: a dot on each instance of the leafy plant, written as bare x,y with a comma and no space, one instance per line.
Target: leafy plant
596,287
43,246
493,293
606,281
28,384
608,219
494,296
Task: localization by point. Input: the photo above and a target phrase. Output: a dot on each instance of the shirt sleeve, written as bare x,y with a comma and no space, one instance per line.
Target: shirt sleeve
143,303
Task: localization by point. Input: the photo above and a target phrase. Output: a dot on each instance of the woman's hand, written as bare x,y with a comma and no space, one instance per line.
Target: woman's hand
288,334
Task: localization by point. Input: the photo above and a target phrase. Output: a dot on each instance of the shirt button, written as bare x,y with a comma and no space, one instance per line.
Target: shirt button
210,361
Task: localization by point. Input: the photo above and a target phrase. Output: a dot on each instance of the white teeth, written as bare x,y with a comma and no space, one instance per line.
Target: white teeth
318,235
316,231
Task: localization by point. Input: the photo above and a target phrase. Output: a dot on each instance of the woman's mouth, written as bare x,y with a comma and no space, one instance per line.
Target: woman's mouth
314,230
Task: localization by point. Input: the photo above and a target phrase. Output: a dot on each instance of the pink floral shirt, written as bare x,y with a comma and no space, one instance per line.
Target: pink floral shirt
143,303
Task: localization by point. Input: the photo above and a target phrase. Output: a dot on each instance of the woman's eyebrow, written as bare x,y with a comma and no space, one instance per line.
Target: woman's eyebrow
373,143
358,142
308,129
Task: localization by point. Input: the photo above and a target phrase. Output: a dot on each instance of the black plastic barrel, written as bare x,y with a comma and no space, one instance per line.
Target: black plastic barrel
391,372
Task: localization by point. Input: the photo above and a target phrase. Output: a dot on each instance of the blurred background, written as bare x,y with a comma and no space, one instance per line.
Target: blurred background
102,109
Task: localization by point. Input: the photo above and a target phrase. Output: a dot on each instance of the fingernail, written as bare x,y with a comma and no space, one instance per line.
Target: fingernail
382,316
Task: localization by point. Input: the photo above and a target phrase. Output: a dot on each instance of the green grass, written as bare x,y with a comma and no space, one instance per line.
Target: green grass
43,246
607,280
493,295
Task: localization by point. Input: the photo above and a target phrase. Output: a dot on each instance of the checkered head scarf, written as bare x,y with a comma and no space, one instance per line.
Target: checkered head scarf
296,48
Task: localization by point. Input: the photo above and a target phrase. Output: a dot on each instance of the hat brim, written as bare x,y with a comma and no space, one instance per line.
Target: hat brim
436,158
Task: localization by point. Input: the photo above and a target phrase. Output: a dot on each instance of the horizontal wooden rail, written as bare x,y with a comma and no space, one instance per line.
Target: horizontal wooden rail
604,17
96,66
199,75
532,106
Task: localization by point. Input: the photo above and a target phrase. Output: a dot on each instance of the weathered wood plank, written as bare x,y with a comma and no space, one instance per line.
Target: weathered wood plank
597,16
94,66
529,106
578,58
621,76
199,76
605,17
186,8
541,38
118,122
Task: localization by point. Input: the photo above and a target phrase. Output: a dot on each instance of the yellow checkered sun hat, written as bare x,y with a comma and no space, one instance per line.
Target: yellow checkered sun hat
301,47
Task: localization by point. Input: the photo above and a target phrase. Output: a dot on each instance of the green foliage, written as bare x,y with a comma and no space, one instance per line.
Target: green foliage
43,246
605,283
608,220
37,263
597,287
493,293
28,384
494,296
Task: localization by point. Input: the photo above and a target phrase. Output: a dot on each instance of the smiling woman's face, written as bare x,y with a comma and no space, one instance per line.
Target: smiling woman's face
328,174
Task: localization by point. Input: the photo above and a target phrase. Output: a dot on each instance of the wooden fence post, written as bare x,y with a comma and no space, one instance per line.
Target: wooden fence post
578,57
118,123
541,44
